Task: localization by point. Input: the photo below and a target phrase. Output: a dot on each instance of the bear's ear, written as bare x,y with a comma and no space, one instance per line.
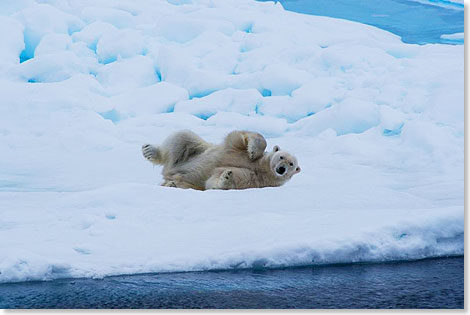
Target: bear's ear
297,170
276,148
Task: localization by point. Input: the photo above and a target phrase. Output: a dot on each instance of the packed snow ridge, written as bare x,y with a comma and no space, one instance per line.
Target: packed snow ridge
451,4
377,126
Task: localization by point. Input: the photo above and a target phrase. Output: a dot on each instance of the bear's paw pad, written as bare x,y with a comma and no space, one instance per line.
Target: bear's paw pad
227,174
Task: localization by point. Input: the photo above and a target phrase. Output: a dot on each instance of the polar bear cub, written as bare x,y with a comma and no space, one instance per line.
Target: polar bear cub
240,162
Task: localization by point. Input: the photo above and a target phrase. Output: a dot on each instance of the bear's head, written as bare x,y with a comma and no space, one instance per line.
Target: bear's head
283,164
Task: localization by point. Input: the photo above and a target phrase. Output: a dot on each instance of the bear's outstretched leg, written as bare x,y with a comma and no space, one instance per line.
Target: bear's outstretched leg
251,142
181,146
176,149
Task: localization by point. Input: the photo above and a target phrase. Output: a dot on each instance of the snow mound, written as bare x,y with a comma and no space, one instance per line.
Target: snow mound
239,101
127,74
11,32
377,126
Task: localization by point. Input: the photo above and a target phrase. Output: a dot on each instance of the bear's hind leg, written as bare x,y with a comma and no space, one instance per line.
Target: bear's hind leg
169,183
176,149
182,145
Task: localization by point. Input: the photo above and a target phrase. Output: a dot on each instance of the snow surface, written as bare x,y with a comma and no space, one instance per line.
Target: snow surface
454,38
450,4
377,126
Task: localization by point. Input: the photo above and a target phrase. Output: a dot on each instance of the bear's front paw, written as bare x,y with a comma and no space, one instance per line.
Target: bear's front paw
255,154
227,175
255,148
226,180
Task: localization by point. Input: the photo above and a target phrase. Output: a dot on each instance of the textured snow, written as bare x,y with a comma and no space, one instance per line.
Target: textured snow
456,38
451,4
377,126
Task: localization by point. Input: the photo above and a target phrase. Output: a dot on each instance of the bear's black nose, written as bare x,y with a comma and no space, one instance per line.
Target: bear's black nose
281,170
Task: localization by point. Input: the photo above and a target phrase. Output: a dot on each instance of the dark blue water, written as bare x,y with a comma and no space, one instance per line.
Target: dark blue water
432,283
414,22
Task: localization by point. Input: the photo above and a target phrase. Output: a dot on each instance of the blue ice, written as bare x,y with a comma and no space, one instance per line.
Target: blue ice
414,22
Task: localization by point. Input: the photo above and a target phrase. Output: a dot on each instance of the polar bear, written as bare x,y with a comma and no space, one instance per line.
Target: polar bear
240,162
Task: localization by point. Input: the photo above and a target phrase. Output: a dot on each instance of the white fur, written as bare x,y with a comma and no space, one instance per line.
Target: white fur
239,162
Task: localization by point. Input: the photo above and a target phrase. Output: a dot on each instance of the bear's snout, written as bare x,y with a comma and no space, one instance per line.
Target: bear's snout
281,170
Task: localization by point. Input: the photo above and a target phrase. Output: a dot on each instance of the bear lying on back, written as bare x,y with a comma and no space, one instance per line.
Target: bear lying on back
240,162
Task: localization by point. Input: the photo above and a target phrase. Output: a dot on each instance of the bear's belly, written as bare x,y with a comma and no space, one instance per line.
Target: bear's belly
233,158
197,169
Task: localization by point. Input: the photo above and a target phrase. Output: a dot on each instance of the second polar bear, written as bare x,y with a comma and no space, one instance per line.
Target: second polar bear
240,162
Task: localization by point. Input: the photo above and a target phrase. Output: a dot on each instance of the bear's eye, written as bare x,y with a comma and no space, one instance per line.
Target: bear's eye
281,157
291,164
